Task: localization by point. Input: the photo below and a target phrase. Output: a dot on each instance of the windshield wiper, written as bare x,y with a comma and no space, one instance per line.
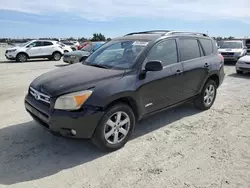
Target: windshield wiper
99,65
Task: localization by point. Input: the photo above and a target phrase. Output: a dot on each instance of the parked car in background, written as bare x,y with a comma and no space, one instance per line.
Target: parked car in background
83,45
35,49
243,64
65,47
232,50
73,45
80,55
103,97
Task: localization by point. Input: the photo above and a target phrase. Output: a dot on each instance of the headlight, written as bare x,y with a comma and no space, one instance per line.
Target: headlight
72,101
240,62
12,50
72,56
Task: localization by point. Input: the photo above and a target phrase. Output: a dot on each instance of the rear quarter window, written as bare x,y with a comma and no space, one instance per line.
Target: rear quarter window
207,46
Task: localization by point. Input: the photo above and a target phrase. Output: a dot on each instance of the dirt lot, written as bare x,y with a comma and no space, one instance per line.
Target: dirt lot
181,147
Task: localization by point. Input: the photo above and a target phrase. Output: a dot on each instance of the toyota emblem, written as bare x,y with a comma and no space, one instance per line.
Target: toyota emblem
36,96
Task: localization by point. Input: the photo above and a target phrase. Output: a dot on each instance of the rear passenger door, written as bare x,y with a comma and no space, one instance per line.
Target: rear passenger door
195,65
47,48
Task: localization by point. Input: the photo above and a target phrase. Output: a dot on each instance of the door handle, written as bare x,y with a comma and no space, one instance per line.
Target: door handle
178,72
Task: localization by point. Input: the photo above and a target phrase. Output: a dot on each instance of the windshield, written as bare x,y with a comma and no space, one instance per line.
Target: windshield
24,44
117,55
231,45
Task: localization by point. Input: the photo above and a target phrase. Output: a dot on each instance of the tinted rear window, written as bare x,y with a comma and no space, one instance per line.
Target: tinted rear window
189,49
46,43
207,46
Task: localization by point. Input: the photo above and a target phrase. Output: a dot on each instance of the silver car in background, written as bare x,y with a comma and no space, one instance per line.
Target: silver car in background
232,50
243,65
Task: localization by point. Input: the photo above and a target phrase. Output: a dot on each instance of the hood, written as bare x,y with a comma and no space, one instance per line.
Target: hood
230,50
245,58
13,48
73,78
78,53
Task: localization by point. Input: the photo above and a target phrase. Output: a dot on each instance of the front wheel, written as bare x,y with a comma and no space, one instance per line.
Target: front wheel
207,97
21,57
115,128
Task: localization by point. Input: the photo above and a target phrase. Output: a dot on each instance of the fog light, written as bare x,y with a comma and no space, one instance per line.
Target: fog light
73,132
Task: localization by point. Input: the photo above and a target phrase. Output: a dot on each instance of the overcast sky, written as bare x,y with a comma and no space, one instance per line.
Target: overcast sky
65,18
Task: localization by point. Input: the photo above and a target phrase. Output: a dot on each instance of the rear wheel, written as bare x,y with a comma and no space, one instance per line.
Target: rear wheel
115,128
239,72
21,57
57,56
207,97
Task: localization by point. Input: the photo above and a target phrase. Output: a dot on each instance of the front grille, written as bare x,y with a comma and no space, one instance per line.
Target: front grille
39,96
227,53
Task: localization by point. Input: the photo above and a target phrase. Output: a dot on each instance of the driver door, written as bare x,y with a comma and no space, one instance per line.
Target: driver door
163,88
35,49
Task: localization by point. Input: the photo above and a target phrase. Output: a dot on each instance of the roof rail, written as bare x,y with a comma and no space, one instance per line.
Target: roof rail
148,32
185,32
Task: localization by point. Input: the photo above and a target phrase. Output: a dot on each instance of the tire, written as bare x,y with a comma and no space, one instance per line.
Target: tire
57,56
210,94
239,72
21,57
73,49
105,133
66,51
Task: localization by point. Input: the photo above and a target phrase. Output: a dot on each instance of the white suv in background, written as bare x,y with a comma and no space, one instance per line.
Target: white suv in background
35,49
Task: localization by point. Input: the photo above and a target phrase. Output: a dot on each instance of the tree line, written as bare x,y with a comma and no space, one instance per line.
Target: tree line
95,37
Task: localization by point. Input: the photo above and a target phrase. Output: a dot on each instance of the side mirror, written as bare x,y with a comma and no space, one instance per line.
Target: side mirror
153,66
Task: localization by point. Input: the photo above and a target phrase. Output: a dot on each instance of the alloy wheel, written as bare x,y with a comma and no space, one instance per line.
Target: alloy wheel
209,95
117,127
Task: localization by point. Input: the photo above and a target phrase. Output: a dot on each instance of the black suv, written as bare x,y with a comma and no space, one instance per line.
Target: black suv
125,80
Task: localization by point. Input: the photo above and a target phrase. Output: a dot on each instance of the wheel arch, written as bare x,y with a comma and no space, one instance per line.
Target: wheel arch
22,53
57,52
213,76
128,100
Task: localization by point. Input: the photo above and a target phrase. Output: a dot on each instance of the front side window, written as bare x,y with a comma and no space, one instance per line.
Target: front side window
36,44
189,49
117,54
165,51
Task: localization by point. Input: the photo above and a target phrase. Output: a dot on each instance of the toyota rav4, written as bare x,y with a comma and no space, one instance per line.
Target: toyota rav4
125,80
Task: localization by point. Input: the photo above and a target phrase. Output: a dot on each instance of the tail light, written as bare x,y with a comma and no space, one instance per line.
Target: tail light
221,57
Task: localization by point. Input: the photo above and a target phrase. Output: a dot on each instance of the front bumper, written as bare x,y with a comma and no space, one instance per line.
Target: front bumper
10,56
70,60
231,57
83,121
242,67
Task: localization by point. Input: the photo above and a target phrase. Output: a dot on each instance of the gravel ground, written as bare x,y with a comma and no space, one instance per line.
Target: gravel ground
181,147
